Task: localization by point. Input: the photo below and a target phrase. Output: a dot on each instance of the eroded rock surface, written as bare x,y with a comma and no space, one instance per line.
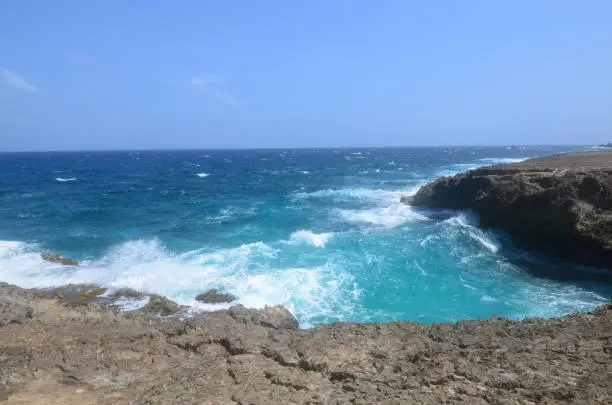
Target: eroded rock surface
56,258
54,353
559,205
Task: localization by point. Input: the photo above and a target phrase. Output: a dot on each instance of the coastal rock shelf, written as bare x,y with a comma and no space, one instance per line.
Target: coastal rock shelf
53,351
559,205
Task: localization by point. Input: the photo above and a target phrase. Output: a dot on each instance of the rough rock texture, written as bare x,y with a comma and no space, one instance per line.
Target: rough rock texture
54,353
214,296
559,205
56,258
76,294
159,305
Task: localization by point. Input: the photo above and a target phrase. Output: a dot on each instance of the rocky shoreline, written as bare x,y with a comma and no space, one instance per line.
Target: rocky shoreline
558,205
75,345
57,350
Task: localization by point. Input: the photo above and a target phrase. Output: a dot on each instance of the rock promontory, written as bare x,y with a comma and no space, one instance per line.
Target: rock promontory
559,205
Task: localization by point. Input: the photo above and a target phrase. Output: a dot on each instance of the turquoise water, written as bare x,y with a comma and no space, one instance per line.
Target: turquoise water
319,231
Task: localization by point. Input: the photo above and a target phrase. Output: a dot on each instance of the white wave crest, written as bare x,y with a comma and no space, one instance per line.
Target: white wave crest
503,160
469,222
363,194
310,238
65,179
202,175
389,216
249,271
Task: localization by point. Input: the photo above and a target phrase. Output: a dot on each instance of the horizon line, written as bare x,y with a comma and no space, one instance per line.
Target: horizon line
285,148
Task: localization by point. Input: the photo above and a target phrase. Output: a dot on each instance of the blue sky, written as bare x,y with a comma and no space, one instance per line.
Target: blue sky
214,74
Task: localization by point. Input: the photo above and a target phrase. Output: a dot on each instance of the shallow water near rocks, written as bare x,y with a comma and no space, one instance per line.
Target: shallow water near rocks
321,232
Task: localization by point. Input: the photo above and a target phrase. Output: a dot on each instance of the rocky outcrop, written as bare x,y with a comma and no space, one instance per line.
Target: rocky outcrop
76,294
559,205
54,353
56,258
159,305
214,296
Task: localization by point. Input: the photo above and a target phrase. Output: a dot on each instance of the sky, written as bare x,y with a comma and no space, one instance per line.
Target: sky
153,74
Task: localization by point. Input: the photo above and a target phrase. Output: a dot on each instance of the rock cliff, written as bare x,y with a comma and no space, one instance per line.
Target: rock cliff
559,205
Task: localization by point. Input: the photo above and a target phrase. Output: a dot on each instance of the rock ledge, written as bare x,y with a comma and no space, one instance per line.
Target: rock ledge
559,205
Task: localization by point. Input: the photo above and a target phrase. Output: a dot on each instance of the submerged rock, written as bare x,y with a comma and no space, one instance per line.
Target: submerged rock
559,205
56,258
214,296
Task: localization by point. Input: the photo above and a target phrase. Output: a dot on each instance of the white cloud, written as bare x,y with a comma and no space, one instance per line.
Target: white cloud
209,83
17,81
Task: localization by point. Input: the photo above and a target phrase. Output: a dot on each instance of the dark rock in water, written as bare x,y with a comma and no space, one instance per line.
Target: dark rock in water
159,305
214,296
271,317
77,294
559,205
58,354
56,258
127,293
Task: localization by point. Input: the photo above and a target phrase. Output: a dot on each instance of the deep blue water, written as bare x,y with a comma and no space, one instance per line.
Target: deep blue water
319,231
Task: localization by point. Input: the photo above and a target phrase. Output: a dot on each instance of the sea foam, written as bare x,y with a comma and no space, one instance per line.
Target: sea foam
247,271
310,238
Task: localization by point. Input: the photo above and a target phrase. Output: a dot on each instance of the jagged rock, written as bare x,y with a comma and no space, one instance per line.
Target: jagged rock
559,205
56,258
214,296
159,305
271,317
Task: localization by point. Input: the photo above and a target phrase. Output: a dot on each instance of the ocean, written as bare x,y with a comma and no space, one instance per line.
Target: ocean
320,231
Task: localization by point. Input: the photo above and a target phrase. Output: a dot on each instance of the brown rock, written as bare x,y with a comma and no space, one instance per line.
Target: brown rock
76,294
159,305
214,296
56,258
271,317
